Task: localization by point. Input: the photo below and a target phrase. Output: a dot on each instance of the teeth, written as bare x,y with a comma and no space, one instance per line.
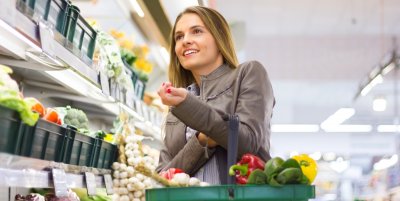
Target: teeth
189,52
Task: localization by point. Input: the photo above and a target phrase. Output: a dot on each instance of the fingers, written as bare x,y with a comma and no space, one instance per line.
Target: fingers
170,95
178,92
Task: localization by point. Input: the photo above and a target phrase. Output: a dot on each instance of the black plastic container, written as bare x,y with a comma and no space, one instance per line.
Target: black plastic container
80,148
11,131
57,14
53,11
105,154
80,33
45,141
72,18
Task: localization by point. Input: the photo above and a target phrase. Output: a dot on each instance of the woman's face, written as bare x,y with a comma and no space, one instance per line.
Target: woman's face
195,47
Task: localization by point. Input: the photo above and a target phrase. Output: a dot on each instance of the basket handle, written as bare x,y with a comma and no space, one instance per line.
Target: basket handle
233,124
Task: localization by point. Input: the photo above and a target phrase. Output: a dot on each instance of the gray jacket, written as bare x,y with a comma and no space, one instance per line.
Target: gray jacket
249,87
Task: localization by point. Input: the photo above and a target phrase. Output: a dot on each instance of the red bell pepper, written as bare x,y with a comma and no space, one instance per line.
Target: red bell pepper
247,164
169,174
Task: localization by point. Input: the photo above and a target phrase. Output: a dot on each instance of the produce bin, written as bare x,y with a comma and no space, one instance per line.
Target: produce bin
53,11
105,154
80,34
45,141
57,14
233,192
79,149
11,131
139,89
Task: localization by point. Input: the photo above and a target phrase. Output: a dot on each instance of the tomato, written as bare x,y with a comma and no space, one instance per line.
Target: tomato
51,116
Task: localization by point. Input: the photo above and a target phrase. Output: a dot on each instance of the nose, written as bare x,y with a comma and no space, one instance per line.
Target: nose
187,40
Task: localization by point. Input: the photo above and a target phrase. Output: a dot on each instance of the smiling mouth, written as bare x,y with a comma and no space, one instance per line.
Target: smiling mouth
189,52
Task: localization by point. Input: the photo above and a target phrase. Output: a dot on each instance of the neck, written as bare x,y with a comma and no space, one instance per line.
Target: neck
197,73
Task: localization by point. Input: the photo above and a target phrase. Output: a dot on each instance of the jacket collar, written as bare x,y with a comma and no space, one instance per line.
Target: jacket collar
221,70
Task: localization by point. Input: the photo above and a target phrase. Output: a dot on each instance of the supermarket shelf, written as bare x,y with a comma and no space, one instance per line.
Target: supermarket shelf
27,45
18,171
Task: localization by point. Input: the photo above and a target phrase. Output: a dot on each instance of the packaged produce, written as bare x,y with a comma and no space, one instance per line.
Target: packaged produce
35,105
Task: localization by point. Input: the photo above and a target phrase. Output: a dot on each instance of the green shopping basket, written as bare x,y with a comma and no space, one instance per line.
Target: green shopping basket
230,191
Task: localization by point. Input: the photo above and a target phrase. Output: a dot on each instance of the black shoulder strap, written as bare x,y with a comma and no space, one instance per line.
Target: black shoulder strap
233,124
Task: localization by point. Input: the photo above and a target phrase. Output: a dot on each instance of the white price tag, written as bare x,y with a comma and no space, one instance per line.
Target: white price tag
90,183
105,85
109,184
60,182
47,39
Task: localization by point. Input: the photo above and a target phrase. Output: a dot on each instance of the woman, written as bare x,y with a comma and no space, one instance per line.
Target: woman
206,84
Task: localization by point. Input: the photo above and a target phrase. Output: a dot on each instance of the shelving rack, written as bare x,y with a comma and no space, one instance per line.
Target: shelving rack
36,53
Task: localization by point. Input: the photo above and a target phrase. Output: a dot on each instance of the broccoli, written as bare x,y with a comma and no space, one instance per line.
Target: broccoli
75,117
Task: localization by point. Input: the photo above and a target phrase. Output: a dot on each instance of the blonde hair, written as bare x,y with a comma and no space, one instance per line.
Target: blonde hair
219,29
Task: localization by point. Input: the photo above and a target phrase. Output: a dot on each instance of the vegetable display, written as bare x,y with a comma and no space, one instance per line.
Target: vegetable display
35,105
250,169
11,98
308,166
247,164
129,184
170,173
73,117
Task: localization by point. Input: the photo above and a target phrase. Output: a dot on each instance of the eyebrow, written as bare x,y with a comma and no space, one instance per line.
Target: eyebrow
192,27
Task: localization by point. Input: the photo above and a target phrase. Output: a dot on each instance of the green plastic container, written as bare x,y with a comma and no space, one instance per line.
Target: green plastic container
53,11
45,141
79,149
57,14
11,131
80,33
105,154
233,192
72,18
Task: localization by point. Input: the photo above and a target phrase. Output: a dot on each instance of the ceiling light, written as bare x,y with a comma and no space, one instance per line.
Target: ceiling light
295,128
377,80
388,68
379,104
137,8
385,163
338,117
388,128
350,128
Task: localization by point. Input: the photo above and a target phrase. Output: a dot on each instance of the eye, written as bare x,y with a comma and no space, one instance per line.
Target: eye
197,31
178,37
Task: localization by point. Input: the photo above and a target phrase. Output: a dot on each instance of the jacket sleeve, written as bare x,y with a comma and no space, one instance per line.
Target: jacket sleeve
189,159
254,108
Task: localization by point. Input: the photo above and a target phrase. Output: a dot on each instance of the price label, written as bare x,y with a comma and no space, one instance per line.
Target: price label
47,39
90,183
109,184
60,182
105,85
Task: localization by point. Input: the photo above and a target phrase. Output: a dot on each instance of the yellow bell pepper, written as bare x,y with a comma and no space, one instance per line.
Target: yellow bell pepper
109,138
308,166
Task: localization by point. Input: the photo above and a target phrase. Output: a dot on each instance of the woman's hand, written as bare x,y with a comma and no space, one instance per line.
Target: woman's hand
203,140
170,95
